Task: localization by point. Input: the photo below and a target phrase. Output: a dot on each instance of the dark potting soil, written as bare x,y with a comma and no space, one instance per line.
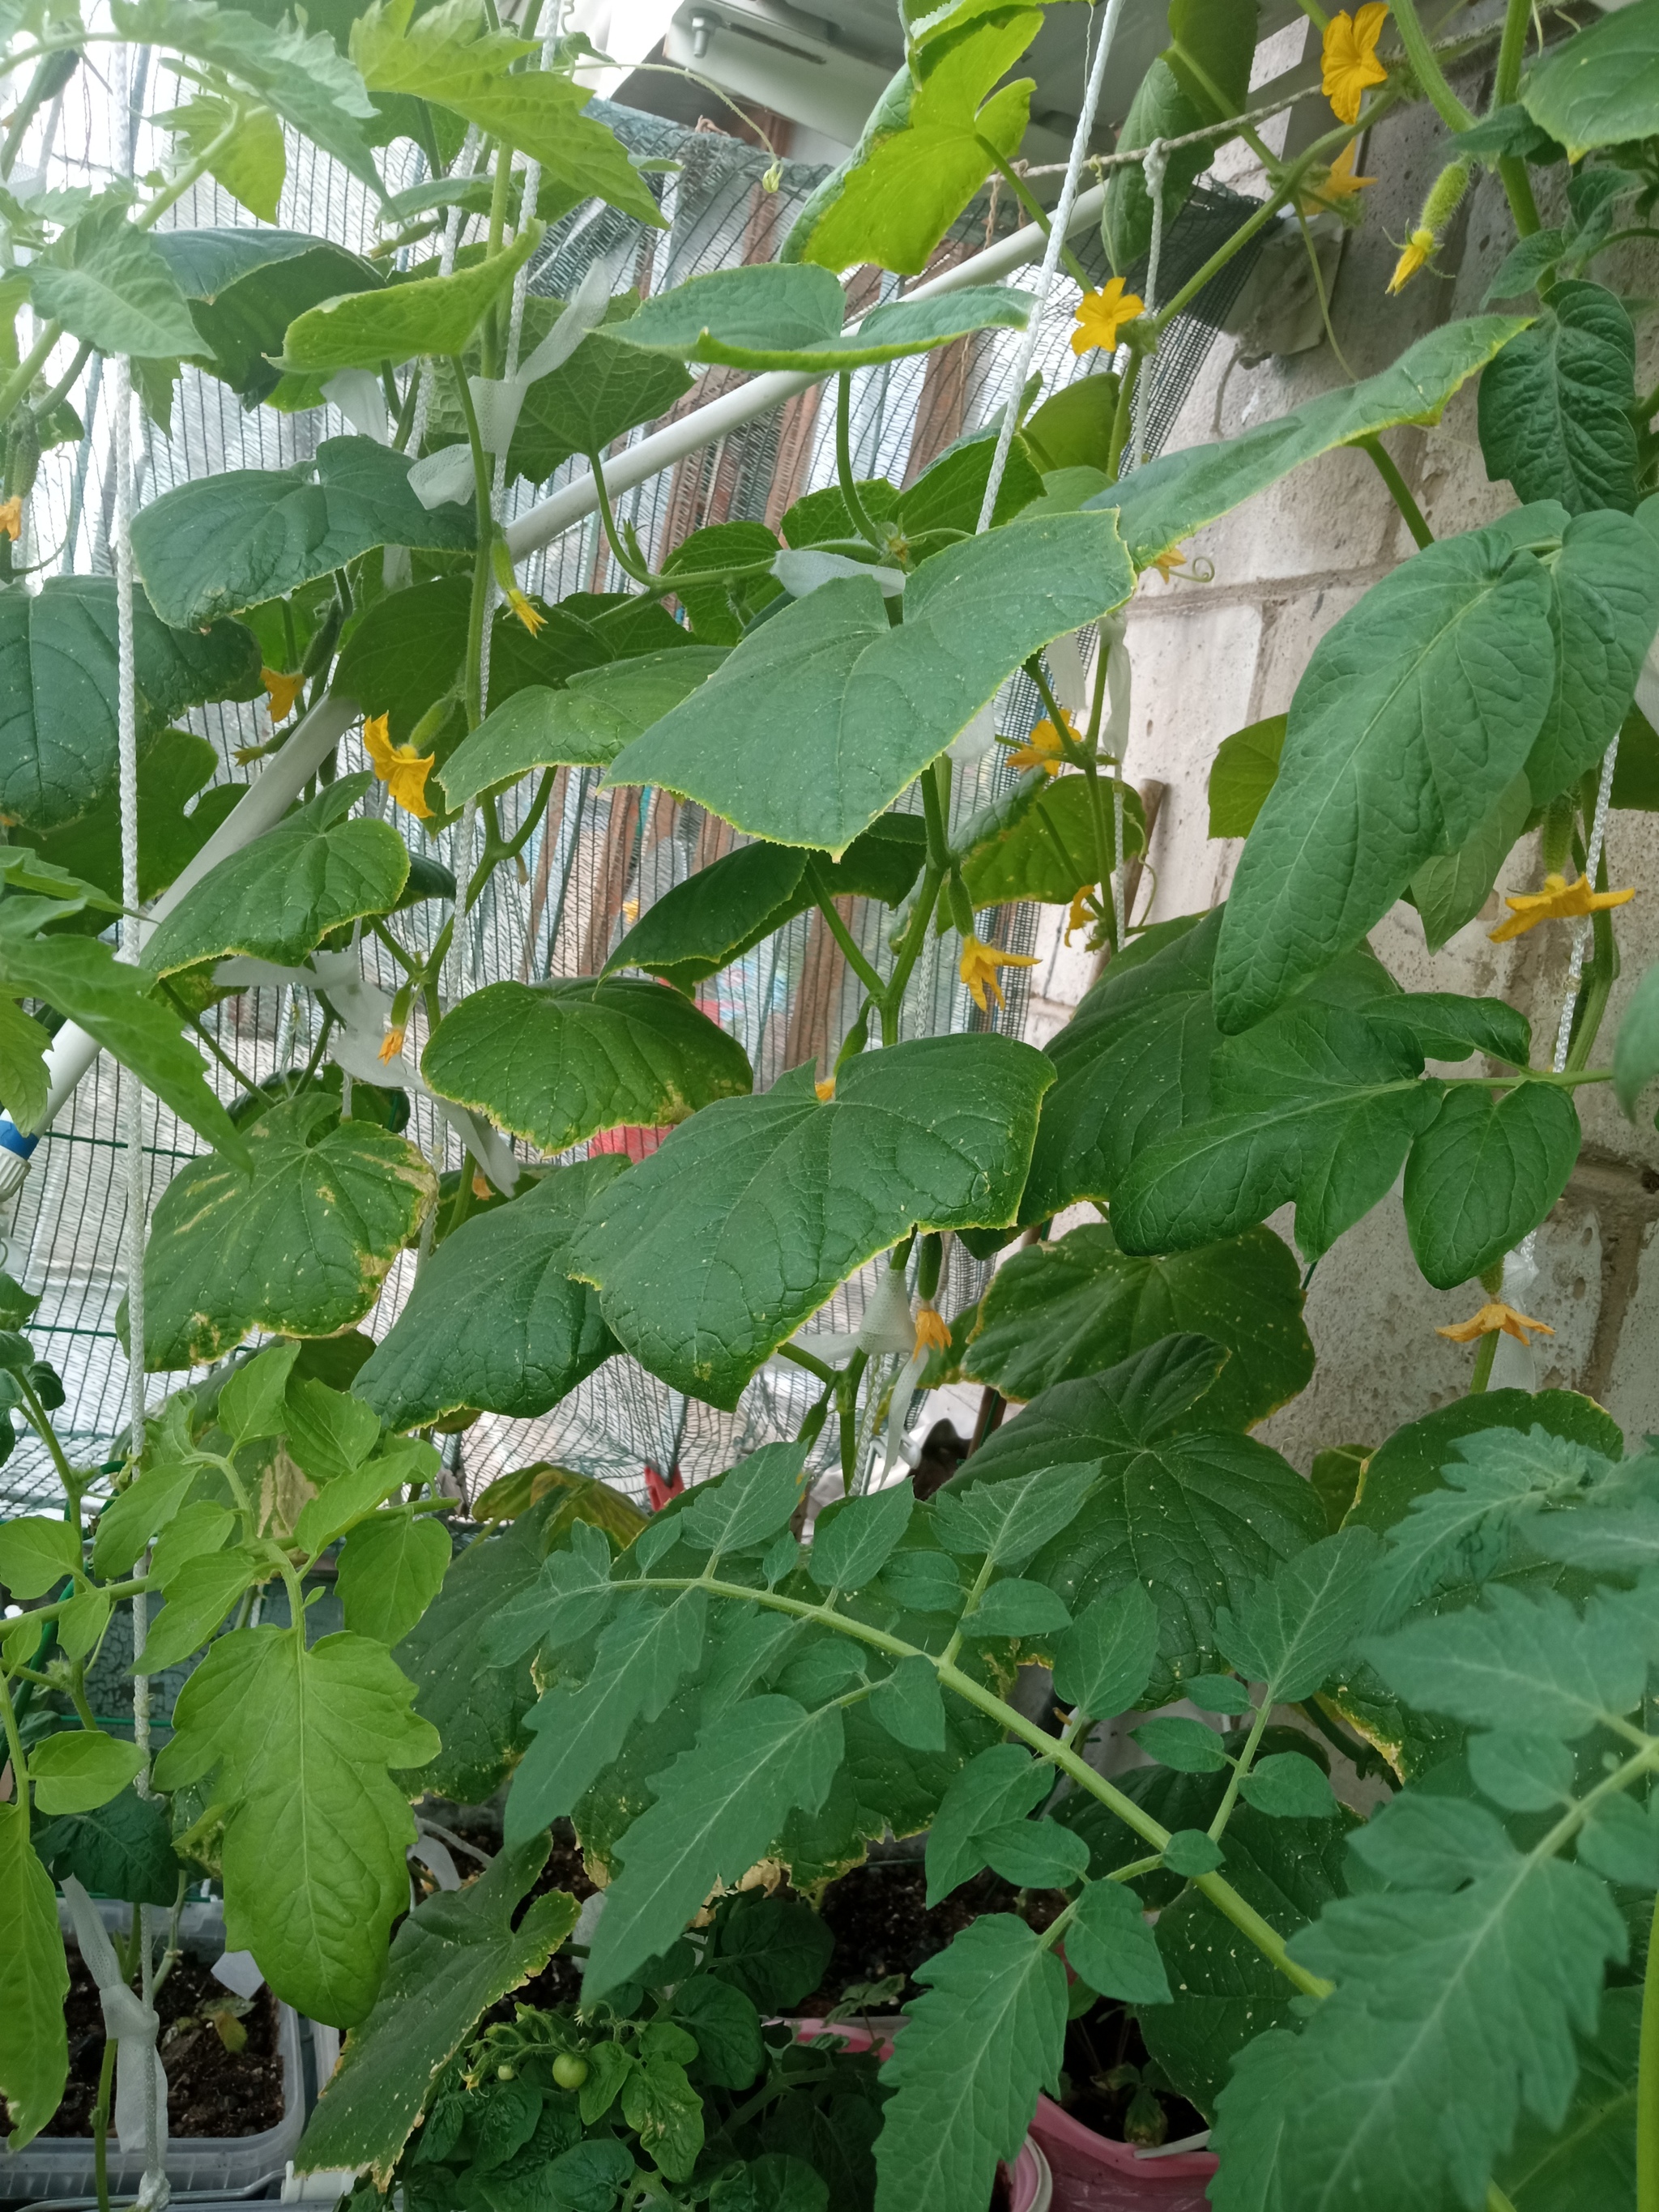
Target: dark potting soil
210,2091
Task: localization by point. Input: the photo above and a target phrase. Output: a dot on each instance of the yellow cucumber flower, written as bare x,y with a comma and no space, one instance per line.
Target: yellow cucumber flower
393,1043
1081,915
527,611
1559,900
933,1330
400,768
1495,1317
1416,250
11,516
1101,315
826,1089
978,969
1337,183
1350,58
282,690
1042,748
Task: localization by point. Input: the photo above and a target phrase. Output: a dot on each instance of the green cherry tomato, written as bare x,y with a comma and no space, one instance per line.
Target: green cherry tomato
569,2071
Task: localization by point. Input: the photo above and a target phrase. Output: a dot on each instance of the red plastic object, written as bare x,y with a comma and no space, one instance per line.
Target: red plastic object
1094,2174
657,1492
637,1142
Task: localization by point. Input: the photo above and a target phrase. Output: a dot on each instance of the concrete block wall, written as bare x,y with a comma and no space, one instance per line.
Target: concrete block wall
1209,658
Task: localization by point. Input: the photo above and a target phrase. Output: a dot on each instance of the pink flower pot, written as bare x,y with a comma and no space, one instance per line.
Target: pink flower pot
1091,2173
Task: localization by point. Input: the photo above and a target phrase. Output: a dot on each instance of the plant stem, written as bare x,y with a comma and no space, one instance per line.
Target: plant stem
1647,2081
16,385
1242,1767
100,2122
1034,208
211,1042
1485,1353
909,951
851,1375
849,490
1430,77
810,1361
15,1747
41,1421
1506,83
844,938
1416,521
613,536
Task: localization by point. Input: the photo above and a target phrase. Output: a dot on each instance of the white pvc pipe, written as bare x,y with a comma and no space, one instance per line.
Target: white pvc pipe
285,775
270,795
720,416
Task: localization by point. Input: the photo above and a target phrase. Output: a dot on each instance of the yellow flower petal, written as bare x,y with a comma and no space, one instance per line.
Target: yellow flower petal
826,1089
933,1330
1559,900
1042,748
282,690
1168,561
1495,1316
1081,915
528,613
400,768
978,969
1417,248
1338,183
11,516
393,1043
1101,315
1349,56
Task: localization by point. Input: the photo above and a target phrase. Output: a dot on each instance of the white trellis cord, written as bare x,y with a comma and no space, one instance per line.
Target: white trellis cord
1154,163
452,237
154,2192
1058,227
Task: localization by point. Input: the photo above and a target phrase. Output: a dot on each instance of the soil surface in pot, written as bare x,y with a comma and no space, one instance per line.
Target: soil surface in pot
211,2091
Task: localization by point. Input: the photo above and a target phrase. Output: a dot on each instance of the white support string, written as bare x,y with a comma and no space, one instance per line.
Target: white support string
1154,163
1060,223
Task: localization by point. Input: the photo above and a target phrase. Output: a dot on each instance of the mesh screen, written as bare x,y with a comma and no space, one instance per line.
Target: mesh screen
596,860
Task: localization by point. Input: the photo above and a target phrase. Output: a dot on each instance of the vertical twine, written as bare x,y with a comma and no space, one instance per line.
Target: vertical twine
1153,166
1058,225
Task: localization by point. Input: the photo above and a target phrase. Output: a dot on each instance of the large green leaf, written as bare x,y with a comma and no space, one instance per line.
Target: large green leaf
231,540
428,315
717,1810
967,2066
640,1663
1057,1312
1408,1466
1416,710
1242,773
57,690
314,1875
584,724
106,282
1320,1106
1173,101
716,915
300,1248
245,287
1303,1623
717,1247
391,1567
766,316
124,1849
1225,1992
494,1320
1485,1172
926,149
1604,609
1175,495
1589,2160
478,1708
34,1983
604,390
1556,405
454,1957
1450,890
279,897
175,767
1050,847
870,705
1130,1067
81,977
557,1062
303,75
1192,1514
1602,87
449,57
